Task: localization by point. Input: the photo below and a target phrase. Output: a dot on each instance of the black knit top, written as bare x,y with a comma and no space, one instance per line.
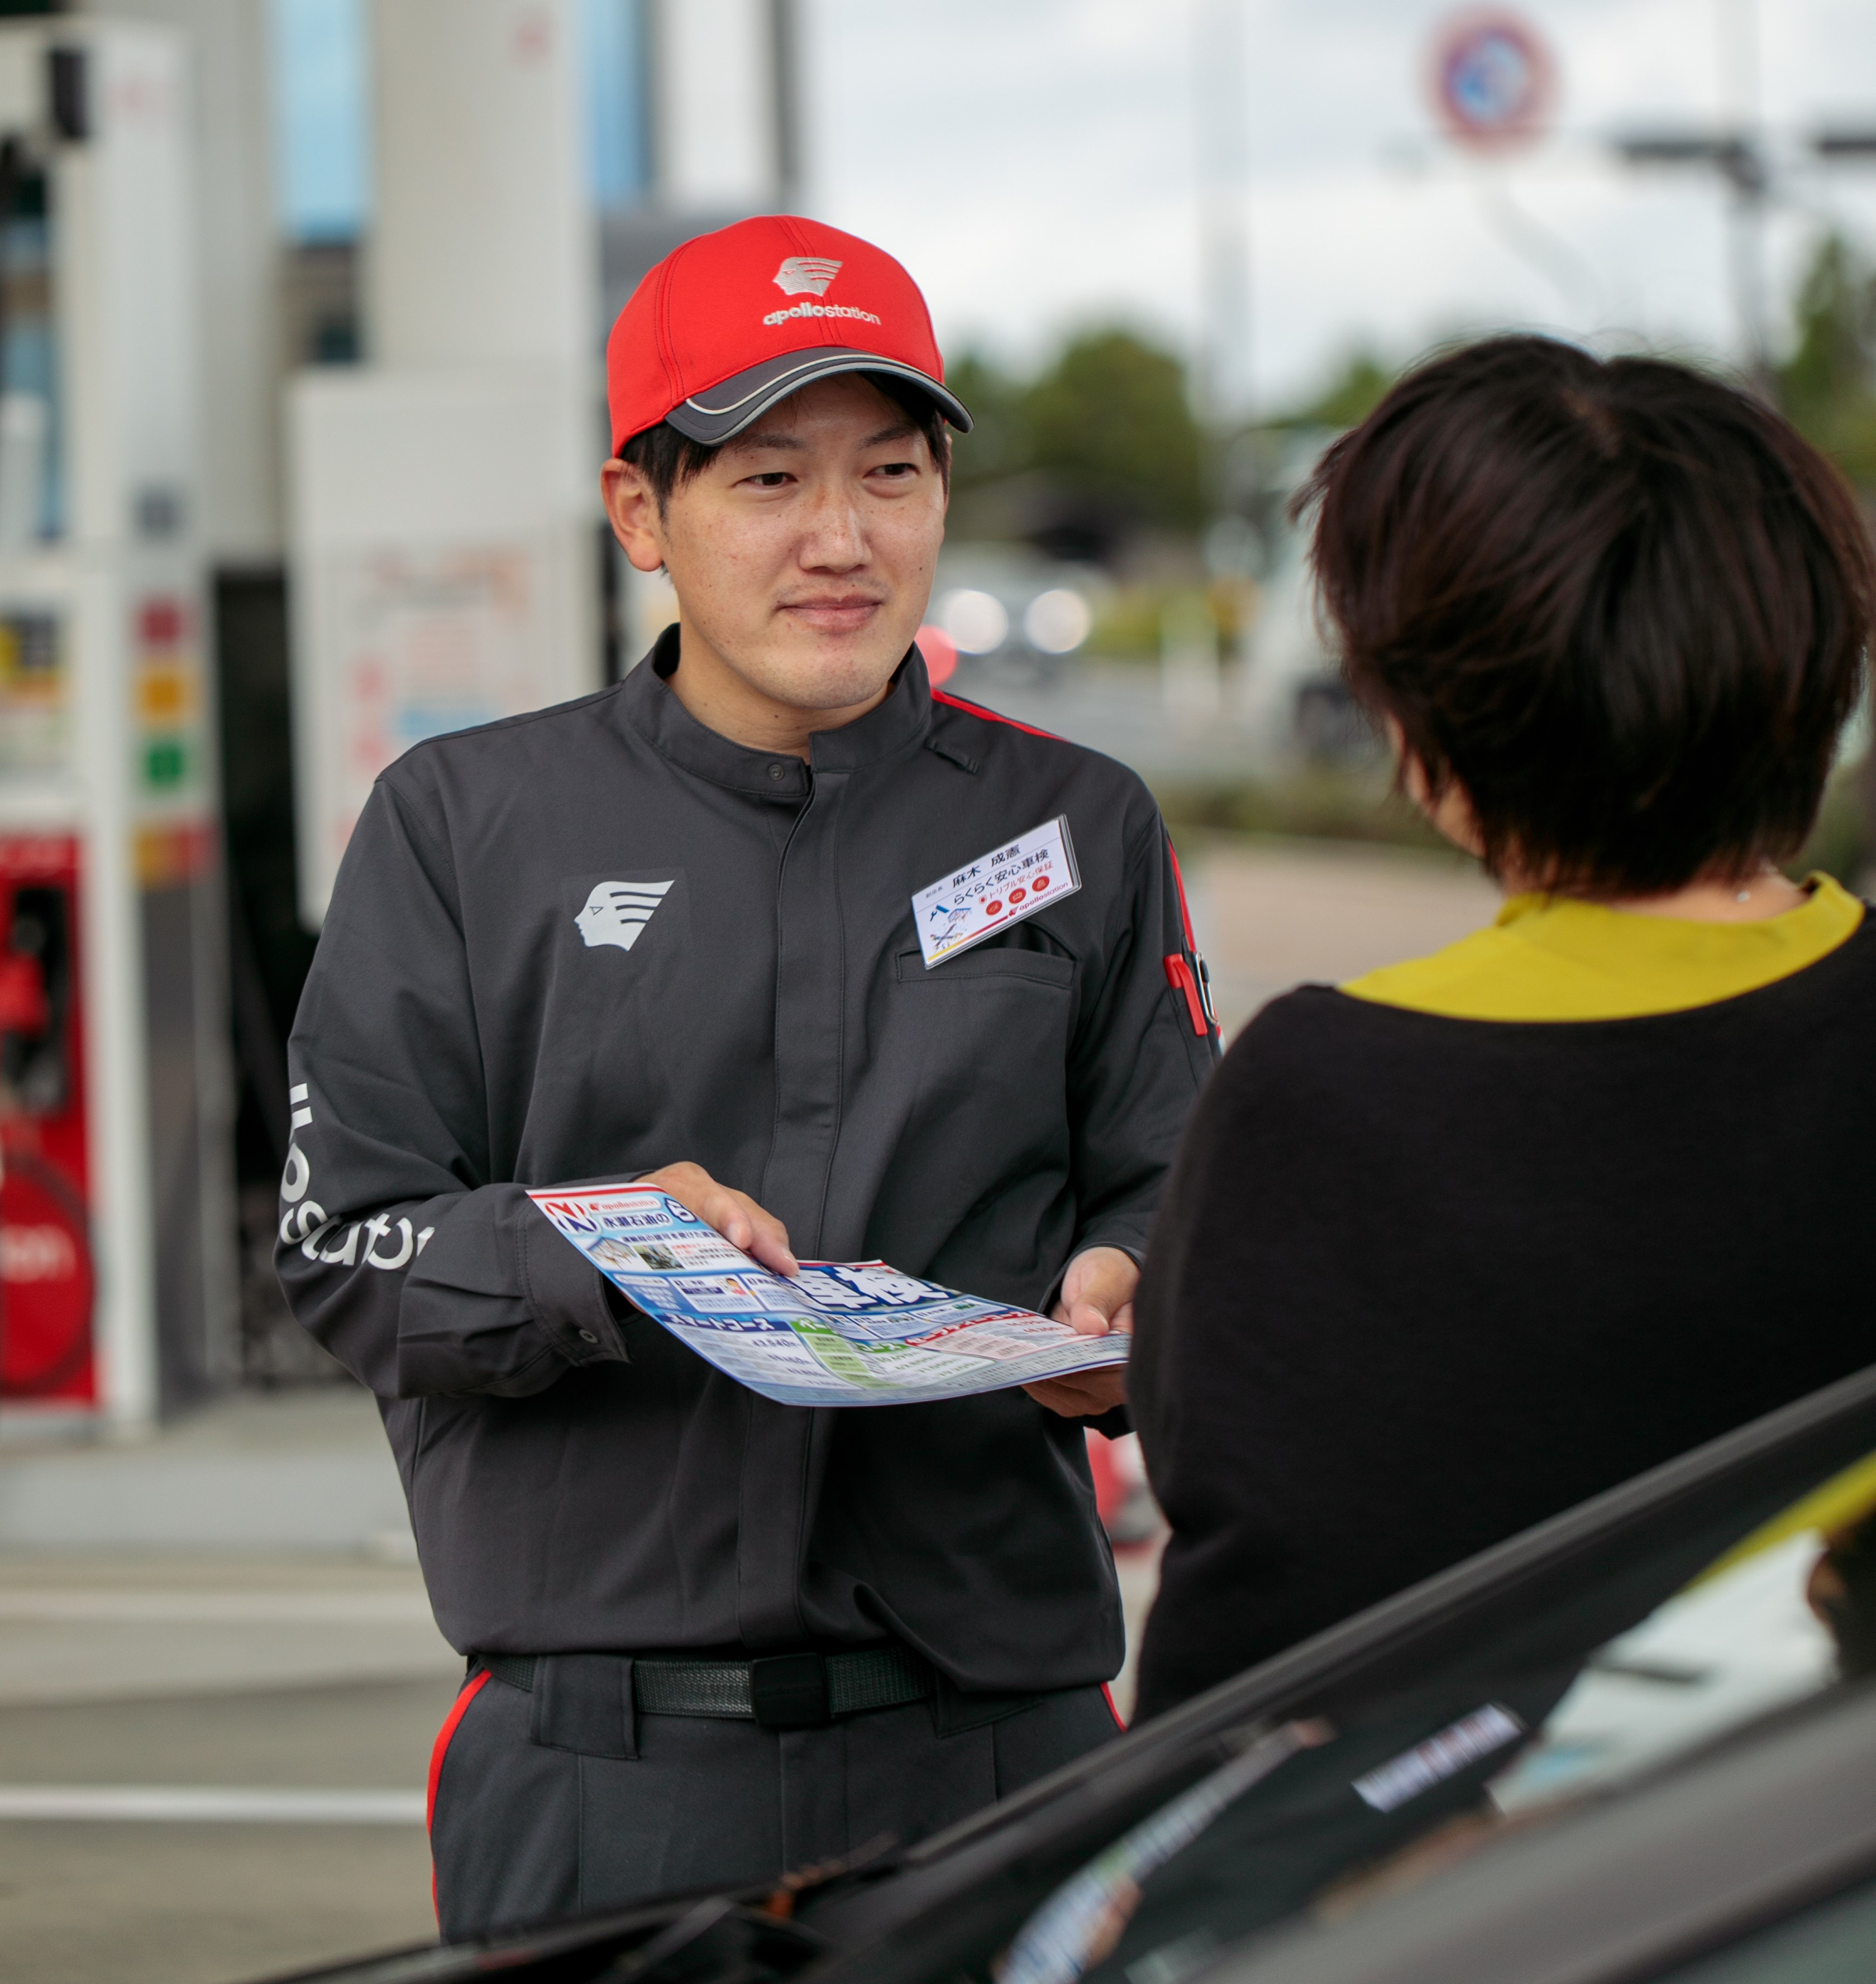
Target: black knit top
1420,1282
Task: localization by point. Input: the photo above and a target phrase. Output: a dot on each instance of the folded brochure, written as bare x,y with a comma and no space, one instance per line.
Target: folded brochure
839,1333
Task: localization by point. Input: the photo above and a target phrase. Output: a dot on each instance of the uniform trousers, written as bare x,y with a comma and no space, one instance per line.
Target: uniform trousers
530,1821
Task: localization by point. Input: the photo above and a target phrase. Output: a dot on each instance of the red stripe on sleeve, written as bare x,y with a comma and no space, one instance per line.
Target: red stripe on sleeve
1178,975
1179,882
990,716
1119,1720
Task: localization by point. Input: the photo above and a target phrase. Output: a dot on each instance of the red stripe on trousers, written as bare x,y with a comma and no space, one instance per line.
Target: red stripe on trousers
439,1749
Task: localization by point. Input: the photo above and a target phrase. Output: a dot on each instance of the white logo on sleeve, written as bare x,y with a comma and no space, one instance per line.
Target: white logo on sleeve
307,1221
805,275
615,912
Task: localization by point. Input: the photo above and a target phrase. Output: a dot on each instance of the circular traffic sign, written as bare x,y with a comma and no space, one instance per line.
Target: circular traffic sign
1494,80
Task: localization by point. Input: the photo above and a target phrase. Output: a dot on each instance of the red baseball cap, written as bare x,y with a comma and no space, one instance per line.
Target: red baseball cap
732,322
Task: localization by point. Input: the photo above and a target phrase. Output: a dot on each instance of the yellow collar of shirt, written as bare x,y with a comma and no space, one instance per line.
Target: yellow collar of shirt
1555,957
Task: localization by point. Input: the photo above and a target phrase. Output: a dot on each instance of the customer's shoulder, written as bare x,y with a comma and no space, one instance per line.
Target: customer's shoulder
1328,1037
1307,1014
1314,1039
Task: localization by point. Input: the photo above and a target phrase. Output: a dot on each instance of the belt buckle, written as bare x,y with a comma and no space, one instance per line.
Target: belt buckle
789,1690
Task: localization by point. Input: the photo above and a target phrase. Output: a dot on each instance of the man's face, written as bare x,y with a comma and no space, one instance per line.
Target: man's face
803,554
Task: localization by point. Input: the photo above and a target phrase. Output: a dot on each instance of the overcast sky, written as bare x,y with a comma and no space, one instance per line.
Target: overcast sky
1034,160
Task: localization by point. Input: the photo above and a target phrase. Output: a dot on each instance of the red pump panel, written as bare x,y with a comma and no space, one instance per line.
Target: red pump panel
47,1279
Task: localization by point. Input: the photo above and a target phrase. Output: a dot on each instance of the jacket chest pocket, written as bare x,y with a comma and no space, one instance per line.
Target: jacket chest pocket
976,1060
984,970
993,1023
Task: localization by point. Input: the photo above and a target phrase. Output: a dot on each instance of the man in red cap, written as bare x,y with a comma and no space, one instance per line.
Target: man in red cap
670,931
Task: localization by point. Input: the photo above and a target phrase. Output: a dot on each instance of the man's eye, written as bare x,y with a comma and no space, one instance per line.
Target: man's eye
772,478
899,469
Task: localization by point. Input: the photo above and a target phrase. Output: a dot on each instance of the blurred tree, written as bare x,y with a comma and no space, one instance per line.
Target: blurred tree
1828,389
1110,419
997,444
1349,397
1828,386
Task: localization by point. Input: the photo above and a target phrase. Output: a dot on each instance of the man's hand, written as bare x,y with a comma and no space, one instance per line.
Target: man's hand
1097,1297
734,1215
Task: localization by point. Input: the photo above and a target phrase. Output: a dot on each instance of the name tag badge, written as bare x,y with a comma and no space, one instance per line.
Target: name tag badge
998,889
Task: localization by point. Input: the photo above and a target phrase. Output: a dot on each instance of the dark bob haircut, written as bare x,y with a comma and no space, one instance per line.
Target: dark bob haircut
1622,605
668,460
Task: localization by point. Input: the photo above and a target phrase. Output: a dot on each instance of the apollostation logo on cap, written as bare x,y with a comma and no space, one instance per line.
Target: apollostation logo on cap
701,344
811,273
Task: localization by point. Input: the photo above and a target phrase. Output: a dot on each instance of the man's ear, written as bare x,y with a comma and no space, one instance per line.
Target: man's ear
631,504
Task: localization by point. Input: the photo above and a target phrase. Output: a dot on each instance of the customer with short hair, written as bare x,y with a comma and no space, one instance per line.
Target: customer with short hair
1452,1247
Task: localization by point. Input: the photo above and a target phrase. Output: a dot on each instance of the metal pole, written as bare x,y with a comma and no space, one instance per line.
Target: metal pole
785,61
1224,257
1744,163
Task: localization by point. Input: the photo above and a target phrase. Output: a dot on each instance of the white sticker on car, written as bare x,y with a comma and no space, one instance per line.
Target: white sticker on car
1418,1770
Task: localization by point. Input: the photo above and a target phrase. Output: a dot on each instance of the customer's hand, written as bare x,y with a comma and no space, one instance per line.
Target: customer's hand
734,1215
1097,1298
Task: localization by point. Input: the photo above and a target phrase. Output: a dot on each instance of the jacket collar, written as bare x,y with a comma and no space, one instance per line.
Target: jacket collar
649,705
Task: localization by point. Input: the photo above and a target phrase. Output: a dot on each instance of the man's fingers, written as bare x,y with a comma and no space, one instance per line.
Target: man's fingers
770,1247
734,1215
1097,1291
1083,1397
760,1234
1092,1319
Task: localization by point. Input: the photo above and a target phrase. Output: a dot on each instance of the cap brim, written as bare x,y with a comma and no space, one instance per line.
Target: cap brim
724,411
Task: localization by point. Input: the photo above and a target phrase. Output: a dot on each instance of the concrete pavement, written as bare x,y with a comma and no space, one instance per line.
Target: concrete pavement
76,1628
1273,914
306,1469
226,1618
86,1902
158,1679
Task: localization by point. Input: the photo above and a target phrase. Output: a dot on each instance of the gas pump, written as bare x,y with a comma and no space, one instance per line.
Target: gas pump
117,1275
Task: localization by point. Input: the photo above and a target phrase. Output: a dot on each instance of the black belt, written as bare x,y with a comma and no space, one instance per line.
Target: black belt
780,1692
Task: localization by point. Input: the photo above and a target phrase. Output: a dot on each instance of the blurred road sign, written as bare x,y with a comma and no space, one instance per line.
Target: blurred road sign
1494,79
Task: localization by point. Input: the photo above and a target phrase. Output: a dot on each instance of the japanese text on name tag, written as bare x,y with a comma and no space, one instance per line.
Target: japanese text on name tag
995,890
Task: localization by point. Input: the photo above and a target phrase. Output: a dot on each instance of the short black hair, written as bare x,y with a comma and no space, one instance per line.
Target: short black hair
1622,603
668,460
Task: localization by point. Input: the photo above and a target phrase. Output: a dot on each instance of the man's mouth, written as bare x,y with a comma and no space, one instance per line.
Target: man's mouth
833,612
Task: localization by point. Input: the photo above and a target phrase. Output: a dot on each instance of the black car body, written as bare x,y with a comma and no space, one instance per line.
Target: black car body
1425,1792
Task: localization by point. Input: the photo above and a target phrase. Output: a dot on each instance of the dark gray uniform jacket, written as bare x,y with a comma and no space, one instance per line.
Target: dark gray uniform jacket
577,1480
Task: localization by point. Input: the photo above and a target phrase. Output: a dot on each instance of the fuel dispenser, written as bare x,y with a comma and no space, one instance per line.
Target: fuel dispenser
117,1272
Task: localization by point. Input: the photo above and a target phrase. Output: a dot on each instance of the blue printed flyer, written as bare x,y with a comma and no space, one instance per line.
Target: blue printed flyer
839,1333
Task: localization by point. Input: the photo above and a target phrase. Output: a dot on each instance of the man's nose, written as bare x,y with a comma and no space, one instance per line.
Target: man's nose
835,539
